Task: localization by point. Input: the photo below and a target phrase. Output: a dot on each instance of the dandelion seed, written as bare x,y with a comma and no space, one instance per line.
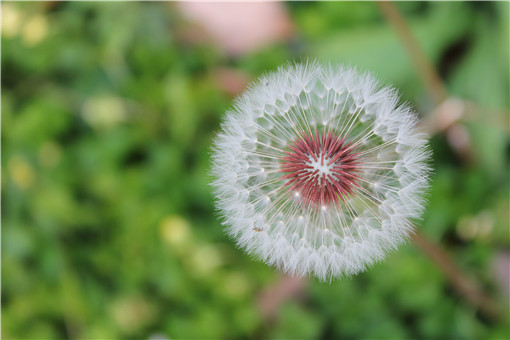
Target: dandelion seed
318,170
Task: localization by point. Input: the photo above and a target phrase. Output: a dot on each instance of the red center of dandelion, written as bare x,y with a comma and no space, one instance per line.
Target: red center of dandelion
321,169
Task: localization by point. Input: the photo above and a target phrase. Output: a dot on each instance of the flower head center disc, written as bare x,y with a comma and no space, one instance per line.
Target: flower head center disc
321,168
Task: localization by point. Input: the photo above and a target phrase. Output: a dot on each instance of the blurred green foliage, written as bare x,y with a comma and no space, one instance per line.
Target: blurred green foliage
108,226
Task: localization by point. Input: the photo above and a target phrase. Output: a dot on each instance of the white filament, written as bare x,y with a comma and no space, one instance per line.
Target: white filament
276,225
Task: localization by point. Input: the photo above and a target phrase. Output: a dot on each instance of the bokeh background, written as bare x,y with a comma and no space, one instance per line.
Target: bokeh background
108,224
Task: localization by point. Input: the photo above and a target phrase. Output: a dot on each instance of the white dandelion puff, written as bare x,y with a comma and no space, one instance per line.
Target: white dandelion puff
319,170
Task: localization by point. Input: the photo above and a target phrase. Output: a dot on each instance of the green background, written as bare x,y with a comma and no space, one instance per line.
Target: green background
108,223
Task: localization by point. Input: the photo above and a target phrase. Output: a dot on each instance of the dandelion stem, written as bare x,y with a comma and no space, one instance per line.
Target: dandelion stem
422,64
459,280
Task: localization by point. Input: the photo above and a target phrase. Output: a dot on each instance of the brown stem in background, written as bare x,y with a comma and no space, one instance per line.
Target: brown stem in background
282,290
446,115
422,64
468,288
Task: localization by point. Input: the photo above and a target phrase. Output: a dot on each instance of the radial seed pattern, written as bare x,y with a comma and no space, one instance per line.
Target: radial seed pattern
321,168
318,170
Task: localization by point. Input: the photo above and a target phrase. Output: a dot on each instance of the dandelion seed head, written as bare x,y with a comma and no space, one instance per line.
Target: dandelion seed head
319,170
